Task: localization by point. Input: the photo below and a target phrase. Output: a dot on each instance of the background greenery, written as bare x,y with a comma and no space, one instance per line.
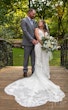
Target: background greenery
18,57
54,12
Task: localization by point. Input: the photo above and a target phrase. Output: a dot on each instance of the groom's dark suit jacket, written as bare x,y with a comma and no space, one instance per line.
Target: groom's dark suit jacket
28,31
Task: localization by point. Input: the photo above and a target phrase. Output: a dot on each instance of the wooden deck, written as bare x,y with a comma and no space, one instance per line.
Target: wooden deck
9,74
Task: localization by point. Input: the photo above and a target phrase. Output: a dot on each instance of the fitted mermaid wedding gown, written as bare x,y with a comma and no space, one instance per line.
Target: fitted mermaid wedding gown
37,89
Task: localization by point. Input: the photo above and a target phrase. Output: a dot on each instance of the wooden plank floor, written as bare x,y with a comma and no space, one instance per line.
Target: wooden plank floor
9,74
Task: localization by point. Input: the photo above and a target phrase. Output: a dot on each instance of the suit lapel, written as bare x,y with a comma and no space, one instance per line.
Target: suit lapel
28,21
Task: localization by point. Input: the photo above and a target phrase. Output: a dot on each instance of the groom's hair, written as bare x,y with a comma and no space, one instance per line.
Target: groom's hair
30,10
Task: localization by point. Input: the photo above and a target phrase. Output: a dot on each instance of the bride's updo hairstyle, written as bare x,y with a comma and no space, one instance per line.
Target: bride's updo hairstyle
45,28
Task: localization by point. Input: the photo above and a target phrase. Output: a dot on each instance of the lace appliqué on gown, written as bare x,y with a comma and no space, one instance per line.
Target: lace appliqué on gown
37,89
32,92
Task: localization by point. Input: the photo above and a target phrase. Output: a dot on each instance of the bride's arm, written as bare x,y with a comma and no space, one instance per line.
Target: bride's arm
37,35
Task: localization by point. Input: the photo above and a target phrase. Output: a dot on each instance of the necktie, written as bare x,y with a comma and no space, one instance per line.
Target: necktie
31,21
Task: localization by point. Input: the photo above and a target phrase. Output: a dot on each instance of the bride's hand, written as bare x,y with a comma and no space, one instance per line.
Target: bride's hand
41,42
34,41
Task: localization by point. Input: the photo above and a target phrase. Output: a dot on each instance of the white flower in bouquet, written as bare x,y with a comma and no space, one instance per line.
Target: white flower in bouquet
49,43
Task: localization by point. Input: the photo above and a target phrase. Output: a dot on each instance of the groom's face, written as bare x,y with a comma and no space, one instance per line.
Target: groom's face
32,14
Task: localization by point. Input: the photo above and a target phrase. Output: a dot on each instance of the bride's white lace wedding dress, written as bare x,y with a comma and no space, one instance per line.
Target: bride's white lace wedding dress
37,89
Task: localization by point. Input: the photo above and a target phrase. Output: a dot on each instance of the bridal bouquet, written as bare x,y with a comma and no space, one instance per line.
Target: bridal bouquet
49,43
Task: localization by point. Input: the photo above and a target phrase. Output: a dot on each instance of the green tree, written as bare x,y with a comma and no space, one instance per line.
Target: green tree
60,7
11,12
56,10
42,7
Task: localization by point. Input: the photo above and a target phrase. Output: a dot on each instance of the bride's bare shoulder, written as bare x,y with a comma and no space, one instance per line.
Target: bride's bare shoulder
36,29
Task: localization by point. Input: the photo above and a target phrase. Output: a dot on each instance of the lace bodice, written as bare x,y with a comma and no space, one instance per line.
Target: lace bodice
42,34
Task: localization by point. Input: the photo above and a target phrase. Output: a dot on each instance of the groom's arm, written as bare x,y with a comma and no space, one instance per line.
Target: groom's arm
25,31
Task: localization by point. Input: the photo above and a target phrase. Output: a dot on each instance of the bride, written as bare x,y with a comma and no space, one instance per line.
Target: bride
37,89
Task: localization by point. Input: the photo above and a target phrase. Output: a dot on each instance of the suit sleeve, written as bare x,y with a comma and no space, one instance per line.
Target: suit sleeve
25,31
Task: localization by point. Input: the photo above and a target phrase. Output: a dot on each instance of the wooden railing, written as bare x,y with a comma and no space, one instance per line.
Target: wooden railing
64,53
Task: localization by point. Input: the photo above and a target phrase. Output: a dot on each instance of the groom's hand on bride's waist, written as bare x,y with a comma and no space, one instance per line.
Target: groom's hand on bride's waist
34,41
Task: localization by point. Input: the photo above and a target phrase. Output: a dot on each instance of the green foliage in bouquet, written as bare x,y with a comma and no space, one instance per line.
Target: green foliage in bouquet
49,43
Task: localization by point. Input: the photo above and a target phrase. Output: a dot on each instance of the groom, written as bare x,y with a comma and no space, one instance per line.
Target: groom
28,26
